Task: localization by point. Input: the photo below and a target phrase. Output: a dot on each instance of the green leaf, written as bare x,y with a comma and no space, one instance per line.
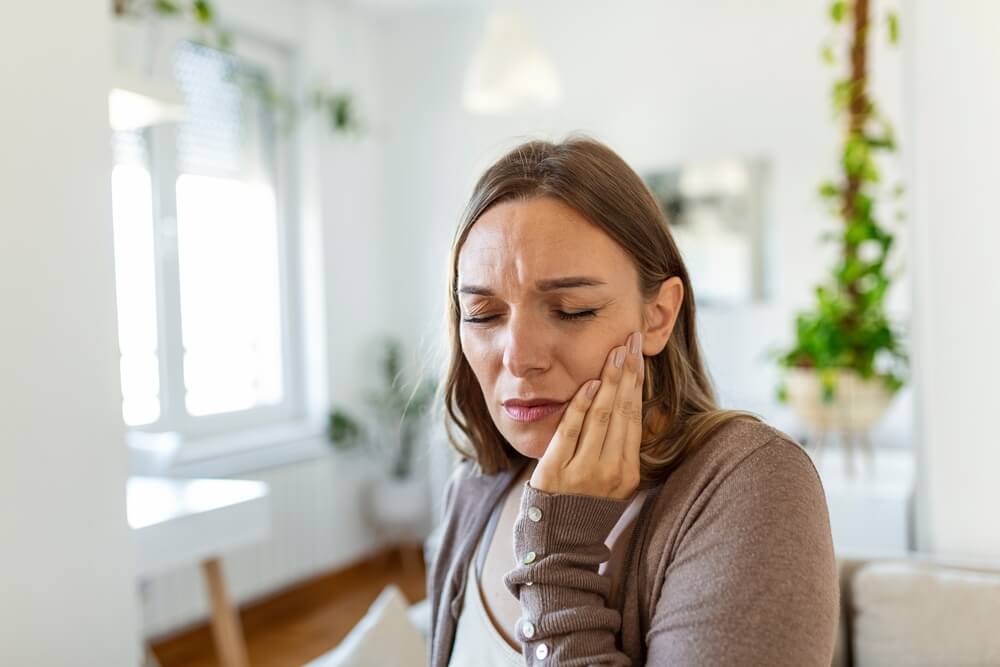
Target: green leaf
203,12
856,155
841,94
858,231
883,142
893,383
838,10
826,53
166,7
828,189
828,381
893,23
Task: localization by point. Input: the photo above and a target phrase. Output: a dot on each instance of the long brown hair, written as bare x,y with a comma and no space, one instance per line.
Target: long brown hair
592,179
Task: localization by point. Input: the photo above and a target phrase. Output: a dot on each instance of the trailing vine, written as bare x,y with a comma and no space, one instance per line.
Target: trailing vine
337,106
848,327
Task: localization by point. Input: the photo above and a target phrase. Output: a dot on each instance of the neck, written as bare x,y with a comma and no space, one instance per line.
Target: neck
527,469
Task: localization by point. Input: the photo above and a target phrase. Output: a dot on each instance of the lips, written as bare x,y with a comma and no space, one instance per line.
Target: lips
532,410
529,403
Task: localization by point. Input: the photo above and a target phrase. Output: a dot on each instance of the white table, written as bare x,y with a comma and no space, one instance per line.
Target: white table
181,521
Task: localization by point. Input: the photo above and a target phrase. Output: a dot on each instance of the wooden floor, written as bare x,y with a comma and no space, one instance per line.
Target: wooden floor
302,623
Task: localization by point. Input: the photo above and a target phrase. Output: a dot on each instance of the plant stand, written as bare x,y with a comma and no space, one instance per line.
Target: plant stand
851,440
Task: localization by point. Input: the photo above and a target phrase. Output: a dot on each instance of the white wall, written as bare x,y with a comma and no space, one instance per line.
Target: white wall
661,83
953,94
66,588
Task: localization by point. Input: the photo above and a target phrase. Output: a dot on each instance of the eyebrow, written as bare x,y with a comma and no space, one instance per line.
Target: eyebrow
548,285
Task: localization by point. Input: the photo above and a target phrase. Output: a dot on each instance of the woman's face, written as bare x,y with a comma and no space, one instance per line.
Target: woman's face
551,294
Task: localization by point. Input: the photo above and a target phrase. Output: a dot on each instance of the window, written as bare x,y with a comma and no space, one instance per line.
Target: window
203,246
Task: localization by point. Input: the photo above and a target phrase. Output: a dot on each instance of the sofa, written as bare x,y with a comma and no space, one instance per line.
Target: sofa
920,609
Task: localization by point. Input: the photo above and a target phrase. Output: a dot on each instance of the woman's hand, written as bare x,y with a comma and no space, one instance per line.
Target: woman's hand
595,450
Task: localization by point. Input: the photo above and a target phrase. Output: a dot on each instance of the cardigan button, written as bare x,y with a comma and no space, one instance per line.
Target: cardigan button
535,514
528,629
541,651
529,557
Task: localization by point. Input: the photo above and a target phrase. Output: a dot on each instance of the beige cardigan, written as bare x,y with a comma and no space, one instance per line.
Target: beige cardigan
731,562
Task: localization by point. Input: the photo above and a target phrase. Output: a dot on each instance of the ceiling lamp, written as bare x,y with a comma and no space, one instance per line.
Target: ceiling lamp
508,72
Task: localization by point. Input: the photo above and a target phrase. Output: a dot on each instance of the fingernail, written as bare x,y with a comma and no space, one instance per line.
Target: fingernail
619,357
636,342
592,388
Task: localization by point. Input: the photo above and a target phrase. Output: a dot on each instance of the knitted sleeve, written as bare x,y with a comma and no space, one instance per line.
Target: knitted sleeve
559,546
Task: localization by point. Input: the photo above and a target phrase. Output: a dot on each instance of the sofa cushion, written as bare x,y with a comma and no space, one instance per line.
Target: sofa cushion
385,636
919,614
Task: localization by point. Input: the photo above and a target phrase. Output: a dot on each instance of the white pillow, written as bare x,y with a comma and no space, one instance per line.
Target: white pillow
385,636
420,616
909,614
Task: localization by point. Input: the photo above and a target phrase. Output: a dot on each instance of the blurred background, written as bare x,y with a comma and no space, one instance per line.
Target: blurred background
222,275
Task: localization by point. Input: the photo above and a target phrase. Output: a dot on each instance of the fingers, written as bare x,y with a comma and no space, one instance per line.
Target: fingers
598,418
564,443
627,408
633,441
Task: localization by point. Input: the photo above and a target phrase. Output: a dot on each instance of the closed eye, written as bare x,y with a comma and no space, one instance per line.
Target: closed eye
579,315
563,315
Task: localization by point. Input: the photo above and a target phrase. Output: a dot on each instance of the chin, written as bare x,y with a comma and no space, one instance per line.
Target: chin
530,445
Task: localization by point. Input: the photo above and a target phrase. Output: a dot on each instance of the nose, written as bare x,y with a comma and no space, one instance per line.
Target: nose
526,351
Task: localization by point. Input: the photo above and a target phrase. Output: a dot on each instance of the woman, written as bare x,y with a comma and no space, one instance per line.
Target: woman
605,511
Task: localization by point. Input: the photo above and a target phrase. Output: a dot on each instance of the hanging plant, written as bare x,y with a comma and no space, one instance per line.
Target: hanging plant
848,328
338,106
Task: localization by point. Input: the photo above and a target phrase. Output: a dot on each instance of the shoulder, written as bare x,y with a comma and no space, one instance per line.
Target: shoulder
748,449
747,473
746,500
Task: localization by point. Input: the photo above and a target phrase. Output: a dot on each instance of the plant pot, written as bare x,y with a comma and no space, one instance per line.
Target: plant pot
857,405
400,508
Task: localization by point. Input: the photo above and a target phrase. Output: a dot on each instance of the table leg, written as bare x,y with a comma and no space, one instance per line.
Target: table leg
226,628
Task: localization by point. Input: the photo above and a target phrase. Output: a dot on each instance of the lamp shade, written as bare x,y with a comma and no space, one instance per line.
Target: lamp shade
508,72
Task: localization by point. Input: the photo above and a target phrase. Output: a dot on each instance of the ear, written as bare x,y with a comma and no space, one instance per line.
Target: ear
660,314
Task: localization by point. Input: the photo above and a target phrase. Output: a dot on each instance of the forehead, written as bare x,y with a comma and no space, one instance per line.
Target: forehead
516,243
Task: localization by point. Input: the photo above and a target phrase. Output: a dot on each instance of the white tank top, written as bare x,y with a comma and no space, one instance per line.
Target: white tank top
477,641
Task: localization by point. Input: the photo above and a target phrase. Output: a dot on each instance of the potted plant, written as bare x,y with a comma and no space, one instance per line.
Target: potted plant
848,360
398,498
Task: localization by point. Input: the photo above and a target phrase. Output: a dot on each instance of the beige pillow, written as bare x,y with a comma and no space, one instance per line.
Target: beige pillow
385,636
908,614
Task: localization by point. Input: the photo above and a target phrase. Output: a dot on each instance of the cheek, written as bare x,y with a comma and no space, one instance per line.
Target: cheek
586,356
478,355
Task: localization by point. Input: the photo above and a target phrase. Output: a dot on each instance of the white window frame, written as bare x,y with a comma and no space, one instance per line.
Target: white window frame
289,415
